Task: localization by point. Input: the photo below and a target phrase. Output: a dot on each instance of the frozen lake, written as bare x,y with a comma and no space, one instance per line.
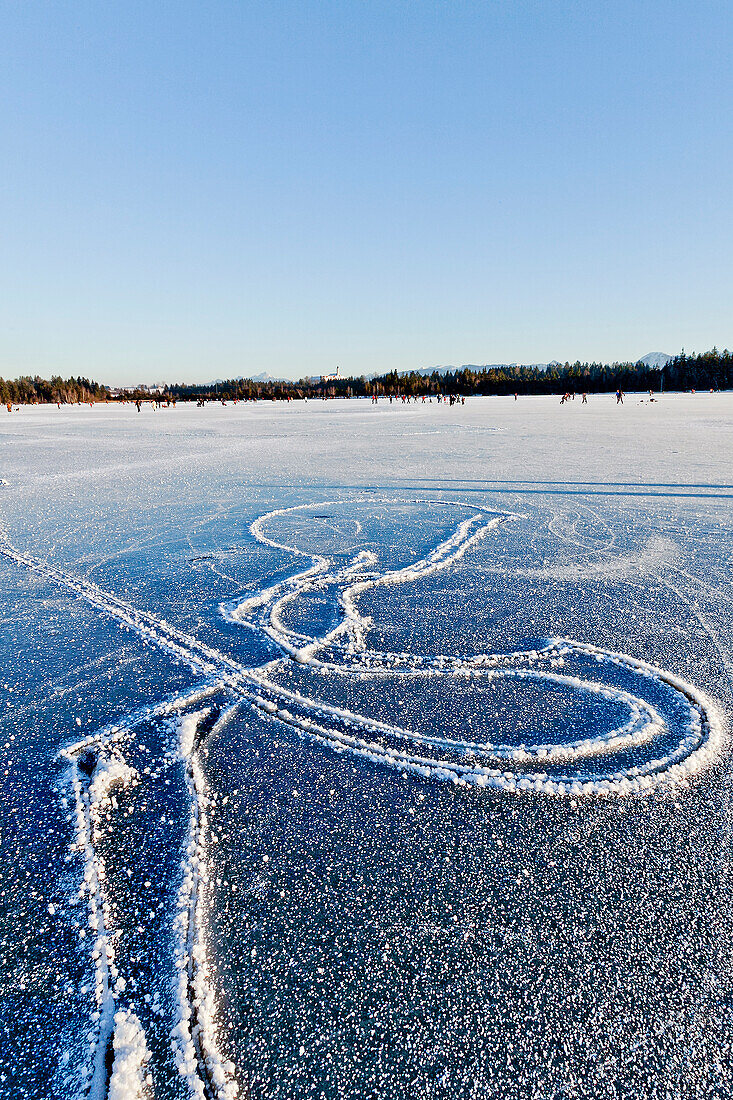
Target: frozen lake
363,751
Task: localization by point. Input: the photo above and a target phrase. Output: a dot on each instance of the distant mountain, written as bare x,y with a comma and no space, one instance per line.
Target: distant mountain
263,377
655,359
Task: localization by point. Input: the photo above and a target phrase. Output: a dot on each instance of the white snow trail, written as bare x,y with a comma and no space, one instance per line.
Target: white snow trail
520,767
92,787
129,1079
209,1075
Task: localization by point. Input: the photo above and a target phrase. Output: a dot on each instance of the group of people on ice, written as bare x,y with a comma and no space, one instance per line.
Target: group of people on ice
570,396
406,398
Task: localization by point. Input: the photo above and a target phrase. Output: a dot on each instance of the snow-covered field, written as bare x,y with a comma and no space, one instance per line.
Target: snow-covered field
367,751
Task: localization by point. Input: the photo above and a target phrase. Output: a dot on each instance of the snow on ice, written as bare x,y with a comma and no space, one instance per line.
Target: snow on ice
357,750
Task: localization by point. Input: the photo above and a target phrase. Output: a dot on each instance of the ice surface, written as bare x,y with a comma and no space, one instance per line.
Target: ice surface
359,751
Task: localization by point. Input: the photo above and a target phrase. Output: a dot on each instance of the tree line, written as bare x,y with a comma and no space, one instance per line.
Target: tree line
56,390
707,370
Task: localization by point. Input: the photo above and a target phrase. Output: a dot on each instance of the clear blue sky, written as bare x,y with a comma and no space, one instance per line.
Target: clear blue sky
200,190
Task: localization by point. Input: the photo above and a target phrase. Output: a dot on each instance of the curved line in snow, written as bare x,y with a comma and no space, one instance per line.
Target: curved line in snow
343,651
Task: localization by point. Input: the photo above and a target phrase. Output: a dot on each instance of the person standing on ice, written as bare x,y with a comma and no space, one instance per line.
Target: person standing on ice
585,399
619,397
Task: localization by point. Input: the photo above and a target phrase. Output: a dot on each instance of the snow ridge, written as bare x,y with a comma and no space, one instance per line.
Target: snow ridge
93,780
195,1037
130,1079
